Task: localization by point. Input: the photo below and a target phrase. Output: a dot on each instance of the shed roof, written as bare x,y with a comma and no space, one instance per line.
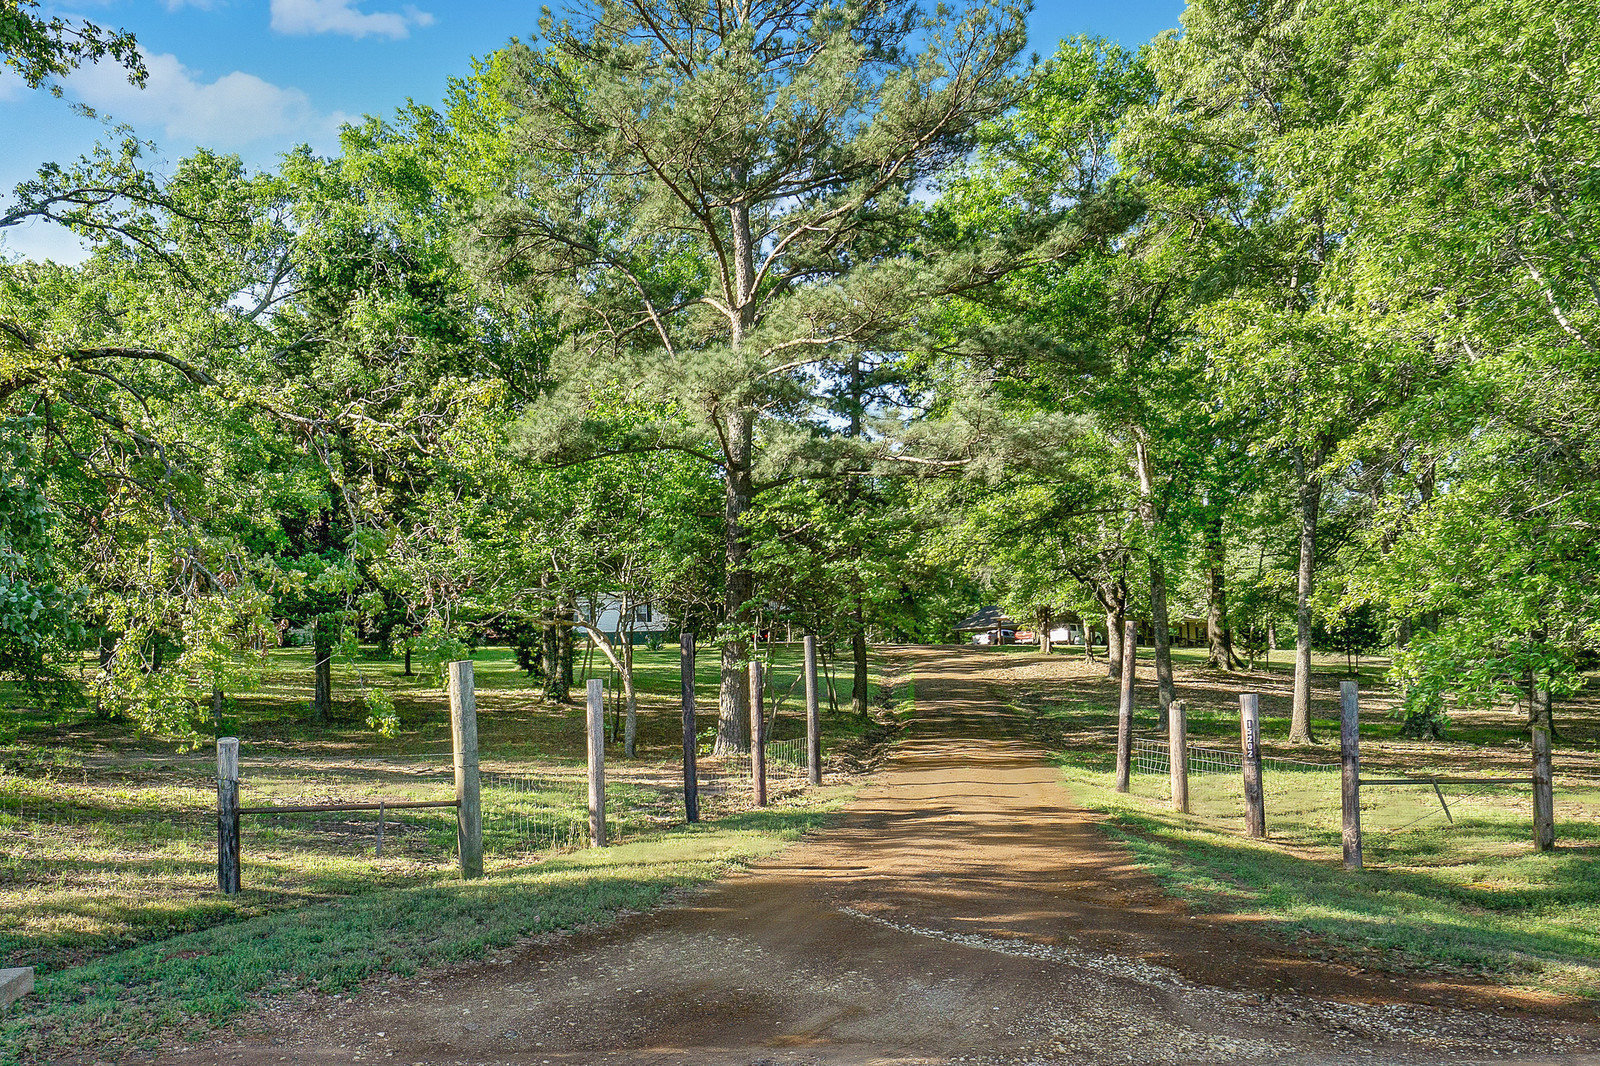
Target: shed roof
987,618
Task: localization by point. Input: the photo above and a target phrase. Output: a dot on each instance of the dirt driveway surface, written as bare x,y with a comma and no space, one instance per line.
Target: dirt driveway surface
960,911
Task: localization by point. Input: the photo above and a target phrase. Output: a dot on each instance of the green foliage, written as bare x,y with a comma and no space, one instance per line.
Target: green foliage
39,48
38,617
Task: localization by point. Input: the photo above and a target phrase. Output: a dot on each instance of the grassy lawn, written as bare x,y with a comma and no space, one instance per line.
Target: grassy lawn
1467,897
194,981
108,846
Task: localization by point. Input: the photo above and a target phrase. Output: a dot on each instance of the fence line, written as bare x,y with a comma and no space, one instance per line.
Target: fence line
785,758
1302,797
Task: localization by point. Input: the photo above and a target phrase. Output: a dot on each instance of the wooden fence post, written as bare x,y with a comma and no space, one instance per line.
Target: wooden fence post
228,815
691,773
1544,809
1255,815
1130,640
1350,771
597,762
690,741
813,714
758,738
1178,753
464,739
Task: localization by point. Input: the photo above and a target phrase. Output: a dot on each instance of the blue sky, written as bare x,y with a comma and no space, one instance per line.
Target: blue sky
260,76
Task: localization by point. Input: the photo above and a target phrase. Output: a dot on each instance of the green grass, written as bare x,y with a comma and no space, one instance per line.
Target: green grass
107,836
1524,919
197,980
1467,898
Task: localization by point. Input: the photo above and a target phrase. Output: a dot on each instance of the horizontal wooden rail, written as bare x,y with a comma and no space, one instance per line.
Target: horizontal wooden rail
313,807
1446,780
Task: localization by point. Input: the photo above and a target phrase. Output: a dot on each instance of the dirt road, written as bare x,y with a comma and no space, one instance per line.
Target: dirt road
961,911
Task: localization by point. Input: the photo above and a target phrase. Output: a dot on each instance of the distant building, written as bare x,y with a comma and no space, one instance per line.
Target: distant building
989,626
648,623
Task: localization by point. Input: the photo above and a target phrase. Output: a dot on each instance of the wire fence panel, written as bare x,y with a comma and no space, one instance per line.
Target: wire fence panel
1303,806
785,758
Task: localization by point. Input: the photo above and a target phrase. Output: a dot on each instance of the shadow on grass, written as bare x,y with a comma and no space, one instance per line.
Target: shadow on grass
1500,915
201,978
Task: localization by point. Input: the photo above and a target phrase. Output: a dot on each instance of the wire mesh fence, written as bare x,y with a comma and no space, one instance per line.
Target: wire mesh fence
1302,797
785,758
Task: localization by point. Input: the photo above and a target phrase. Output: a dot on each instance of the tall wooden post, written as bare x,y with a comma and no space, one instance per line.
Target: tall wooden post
813,714
597,762
1544,807
228,815
1178,753
464,739
758,738
1255,815
691,774
1130,640
1350,771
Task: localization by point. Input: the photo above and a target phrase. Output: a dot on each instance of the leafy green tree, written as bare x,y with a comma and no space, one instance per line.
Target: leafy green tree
38,616
720,200
41,47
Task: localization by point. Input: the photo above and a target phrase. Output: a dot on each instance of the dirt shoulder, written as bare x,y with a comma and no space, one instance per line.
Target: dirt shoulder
960,910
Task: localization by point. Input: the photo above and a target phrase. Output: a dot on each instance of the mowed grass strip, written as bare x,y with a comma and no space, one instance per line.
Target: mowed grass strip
1470,898
193,982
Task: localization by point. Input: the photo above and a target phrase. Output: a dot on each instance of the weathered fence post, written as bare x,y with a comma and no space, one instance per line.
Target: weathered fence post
1255,815
597,762
464,739
228,815
1178,754
1544,807
813,714
691,772
1130,640
758,738
1350,771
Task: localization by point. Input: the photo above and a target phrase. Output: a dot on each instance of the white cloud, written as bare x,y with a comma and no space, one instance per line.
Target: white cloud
235,110
304,17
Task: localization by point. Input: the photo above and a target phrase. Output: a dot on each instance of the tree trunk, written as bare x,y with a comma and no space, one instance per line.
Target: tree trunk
733,707
216,708
1046,619
564,637
1310,508
1165,693
550,644
408,656
858,653
630,731
1219,638
1114,620
738,442
1541,712
107,650
322,653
